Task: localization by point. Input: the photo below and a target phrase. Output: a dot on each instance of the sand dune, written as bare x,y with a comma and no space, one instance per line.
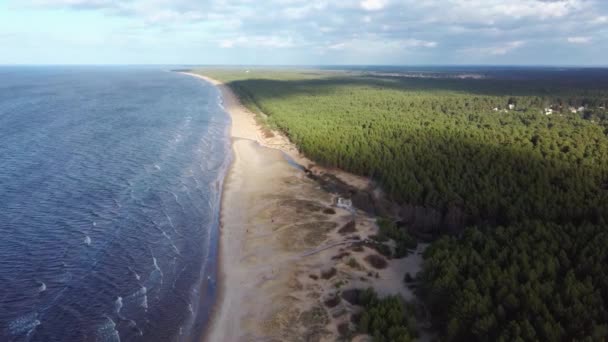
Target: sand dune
283,260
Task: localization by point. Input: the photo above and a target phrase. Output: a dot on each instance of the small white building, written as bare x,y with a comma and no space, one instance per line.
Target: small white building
548,111
511,106
580,109
344,203
495,109
572,110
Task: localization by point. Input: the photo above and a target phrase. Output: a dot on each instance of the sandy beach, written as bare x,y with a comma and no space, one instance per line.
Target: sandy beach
287,248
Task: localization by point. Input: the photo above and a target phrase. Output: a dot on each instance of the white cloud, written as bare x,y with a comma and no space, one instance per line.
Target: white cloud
301,12
71,2
538,9
497,49
410,43
257,42
579,40
600,20
373,5
490,28
337,46
380,46
496,12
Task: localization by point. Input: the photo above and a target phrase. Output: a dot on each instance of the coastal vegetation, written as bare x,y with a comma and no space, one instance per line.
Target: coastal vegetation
522,162
404,242
440,144
531,281
385,319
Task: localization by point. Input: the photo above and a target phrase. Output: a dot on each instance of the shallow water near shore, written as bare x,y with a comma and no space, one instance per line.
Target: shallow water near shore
110,185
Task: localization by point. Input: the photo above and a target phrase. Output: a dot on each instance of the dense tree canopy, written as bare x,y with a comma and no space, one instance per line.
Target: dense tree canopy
537,184
439,143
532,281
385,319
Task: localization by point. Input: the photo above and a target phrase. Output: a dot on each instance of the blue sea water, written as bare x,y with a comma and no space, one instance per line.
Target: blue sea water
110,185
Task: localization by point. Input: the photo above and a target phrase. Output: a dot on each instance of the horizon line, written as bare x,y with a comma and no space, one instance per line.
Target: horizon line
305,65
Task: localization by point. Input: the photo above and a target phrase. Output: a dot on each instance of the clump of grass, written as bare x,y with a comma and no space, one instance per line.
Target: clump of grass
352,262
358,248
327,274
379,238
329,211
381,248
376,261
348,228
332,301
339,284
340,256
344,329
316,316
351,296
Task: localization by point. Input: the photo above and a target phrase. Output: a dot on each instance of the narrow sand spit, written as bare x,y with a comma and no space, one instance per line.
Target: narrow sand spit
285,254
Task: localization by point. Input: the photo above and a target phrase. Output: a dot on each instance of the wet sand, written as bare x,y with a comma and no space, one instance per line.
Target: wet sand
285,254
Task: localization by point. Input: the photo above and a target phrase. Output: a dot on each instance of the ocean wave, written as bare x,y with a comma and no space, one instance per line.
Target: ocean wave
140,184
138,299
106,332
118,306
24,325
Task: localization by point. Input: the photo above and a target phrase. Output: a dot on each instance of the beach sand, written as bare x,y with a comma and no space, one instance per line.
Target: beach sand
286,249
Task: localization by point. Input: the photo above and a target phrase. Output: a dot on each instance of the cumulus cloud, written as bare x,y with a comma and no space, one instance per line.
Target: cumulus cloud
485,27
374,45
77,4
497,49
579,40
373,5
257,42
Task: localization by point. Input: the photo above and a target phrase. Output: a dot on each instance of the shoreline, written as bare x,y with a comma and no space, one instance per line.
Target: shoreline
283,248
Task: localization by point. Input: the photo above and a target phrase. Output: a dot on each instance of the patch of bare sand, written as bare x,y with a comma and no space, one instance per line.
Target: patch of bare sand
283,261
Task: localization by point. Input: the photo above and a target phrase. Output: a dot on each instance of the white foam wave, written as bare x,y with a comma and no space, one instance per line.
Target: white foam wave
155,279
24,325
220,101
107,332
170,242
41,286
118,306
65,277
139,297
87,240
134,273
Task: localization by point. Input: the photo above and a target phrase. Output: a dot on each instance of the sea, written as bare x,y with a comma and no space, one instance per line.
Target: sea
110,187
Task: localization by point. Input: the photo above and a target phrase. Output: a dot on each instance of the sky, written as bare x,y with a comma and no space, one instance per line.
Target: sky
305,32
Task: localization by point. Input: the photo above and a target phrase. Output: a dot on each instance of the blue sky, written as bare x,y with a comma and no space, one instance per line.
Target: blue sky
304,32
